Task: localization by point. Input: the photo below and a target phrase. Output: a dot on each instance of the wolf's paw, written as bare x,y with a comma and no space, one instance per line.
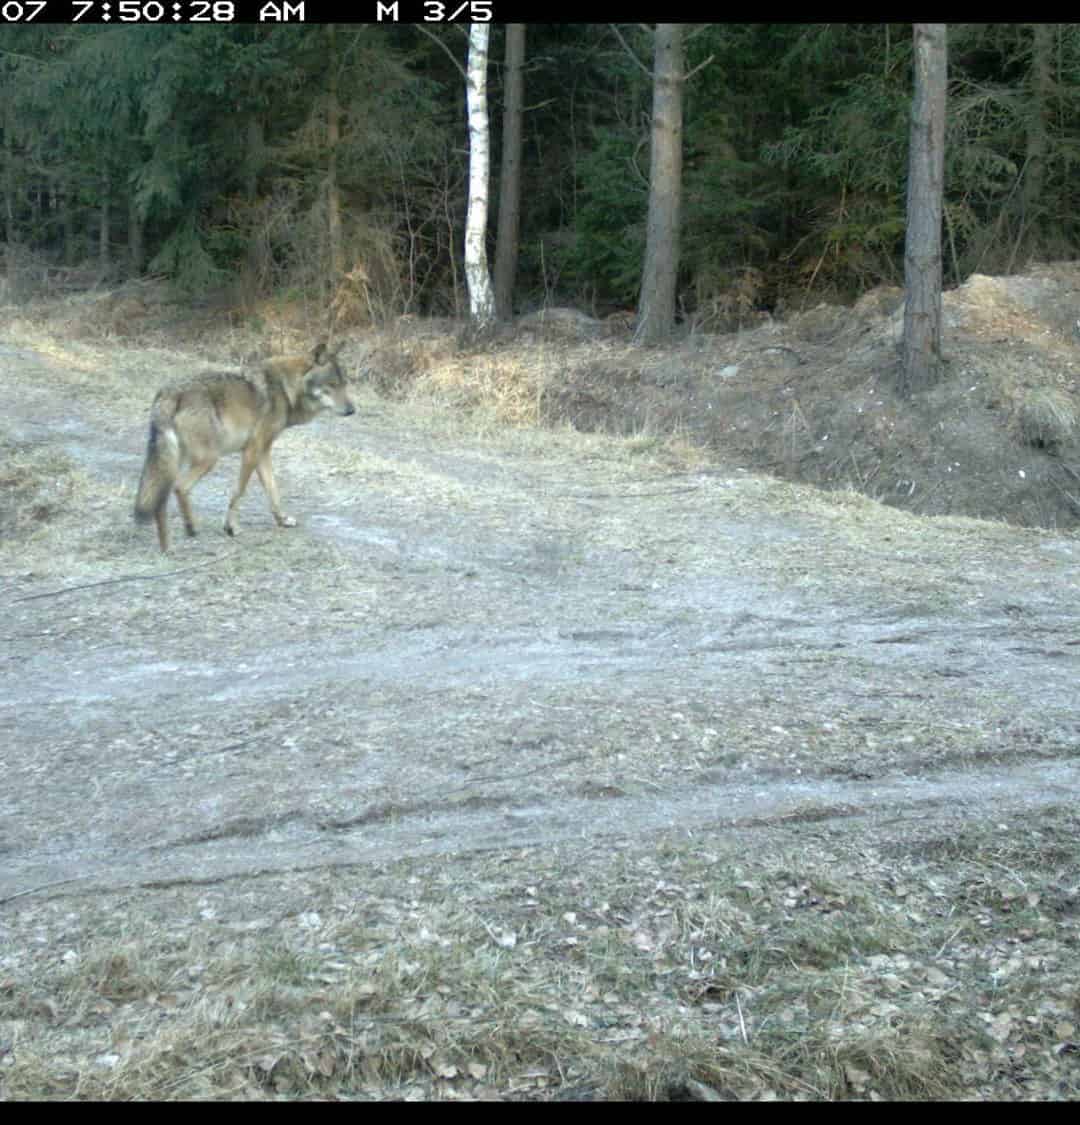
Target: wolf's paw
286,521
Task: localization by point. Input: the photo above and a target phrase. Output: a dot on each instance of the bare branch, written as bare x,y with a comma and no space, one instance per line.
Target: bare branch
700,66
435,39
642,178
125,578
42,887
645,70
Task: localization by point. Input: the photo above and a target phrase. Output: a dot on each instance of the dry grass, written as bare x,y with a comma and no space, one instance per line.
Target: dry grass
38,488
658,973
1045,417
505,389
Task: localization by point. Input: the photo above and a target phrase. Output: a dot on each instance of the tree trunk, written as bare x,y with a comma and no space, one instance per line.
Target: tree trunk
656,307
506,246
481,296
333,194
135,238
922,251
103,228
254,157
67,221
1038,112
11,234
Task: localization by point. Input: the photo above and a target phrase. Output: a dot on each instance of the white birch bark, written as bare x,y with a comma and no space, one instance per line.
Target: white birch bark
477,277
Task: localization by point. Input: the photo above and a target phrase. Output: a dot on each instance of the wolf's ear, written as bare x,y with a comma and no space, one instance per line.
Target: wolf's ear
320,352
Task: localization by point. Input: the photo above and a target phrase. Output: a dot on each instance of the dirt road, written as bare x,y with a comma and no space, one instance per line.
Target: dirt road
474,643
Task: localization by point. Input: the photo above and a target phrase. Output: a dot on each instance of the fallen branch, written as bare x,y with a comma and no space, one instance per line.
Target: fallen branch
123,578
44,886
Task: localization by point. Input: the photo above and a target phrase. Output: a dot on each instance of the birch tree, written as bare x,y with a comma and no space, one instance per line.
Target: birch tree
481,294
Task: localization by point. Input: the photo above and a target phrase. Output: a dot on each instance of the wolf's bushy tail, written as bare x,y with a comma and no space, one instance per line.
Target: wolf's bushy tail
159,471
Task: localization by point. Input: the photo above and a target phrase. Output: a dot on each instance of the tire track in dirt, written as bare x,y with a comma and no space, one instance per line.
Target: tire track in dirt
888,808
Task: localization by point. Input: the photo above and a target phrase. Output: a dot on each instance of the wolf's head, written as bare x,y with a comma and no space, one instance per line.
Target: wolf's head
325,385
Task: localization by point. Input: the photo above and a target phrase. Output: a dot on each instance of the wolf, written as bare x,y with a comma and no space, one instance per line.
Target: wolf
196,420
